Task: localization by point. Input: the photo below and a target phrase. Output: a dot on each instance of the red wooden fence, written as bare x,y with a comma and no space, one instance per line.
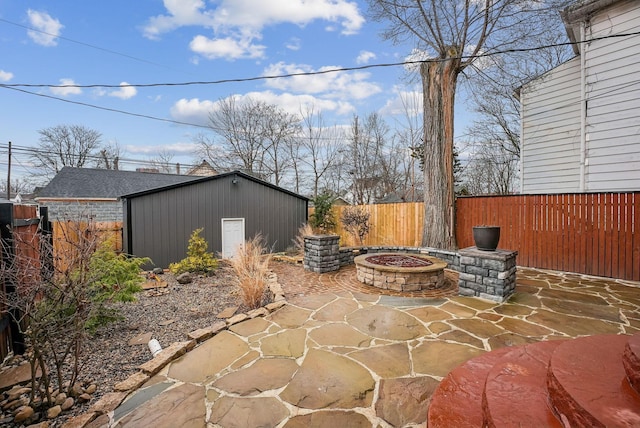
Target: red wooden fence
591,233
20,237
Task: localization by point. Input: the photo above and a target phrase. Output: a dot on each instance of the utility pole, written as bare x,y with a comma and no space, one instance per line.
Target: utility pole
9,174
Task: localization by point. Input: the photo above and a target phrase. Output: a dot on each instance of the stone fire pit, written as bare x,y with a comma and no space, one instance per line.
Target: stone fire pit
400,271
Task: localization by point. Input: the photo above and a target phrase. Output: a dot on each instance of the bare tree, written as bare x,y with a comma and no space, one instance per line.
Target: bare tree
452,34
163,161
252,135
280,132
65,145
109,156
372,171
18,185
320,145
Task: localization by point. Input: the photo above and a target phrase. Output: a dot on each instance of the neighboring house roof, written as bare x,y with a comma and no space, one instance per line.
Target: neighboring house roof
203,170
86,183
214,177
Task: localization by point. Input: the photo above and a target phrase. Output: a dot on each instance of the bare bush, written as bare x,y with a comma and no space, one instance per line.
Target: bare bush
251,264
58,301
355,220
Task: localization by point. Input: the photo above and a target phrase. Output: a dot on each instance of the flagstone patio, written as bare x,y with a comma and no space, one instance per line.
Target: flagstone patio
342,354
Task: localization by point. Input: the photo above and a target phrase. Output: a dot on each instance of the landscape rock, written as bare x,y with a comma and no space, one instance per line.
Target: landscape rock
80,421
76,390
17,375
108,402
132,382
167,355
158,271
60,398
23,414
68,403
54,412
184,278
16,392
91,388
83,398
44,424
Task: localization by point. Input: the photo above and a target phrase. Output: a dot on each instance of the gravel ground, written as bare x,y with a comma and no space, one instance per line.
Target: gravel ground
167,313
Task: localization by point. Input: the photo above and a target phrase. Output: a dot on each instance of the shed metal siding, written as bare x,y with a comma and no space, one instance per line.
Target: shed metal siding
551,128
162,221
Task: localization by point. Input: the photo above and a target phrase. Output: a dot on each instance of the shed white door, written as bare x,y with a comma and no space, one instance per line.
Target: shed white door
232,236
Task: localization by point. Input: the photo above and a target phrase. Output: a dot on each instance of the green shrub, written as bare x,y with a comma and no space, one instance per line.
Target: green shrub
113,278
322,218
198,260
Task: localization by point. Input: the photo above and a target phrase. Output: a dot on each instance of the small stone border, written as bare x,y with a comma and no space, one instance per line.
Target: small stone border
111,400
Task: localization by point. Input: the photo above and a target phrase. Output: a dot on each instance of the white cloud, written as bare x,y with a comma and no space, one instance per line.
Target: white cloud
5,76
365,57
125,92
192,111
242,21
405,102
294,44
69,90
341,84
197,111
228,48
293,103
177,148
416,55
48,28
181,13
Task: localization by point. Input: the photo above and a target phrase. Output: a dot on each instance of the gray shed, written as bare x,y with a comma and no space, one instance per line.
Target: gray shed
231,207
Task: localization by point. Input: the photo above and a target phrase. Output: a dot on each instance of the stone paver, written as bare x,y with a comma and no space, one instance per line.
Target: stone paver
341,354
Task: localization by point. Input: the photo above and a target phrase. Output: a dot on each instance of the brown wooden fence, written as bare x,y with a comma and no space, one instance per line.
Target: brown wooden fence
591,233
66,235
20,236
391,224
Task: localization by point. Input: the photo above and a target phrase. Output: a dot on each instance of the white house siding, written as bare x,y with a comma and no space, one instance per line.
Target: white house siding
613,100
551,130
551,113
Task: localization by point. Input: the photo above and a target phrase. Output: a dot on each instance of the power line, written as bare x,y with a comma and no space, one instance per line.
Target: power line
318,72
34,150
90,45
113,110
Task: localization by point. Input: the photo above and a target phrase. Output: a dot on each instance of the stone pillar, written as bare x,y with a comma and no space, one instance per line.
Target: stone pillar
321,253
487,274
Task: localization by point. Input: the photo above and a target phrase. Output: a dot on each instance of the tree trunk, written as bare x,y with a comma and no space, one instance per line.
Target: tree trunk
439,87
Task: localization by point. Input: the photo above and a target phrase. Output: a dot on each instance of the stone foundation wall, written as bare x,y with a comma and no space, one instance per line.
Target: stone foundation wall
347,254
321,253
400,281
487,274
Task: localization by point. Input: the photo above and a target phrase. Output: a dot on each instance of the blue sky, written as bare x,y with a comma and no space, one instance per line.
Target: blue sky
151,41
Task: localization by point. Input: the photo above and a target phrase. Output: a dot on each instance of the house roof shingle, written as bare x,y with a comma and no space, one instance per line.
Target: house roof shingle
105,183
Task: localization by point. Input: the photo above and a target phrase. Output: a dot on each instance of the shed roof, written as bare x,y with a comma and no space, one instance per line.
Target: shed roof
211,178
105,183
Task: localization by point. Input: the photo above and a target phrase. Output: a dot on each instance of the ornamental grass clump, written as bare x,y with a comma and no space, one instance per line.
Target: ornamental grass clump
298,241
251,265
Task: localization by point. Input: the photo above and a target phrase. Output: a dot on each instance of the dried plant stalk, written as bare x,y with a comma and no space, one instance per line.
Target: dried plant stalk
251,265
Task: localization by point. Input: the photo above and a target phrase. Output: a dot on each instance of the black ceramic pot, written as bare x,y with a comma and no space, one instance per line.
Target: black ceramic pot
486,238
